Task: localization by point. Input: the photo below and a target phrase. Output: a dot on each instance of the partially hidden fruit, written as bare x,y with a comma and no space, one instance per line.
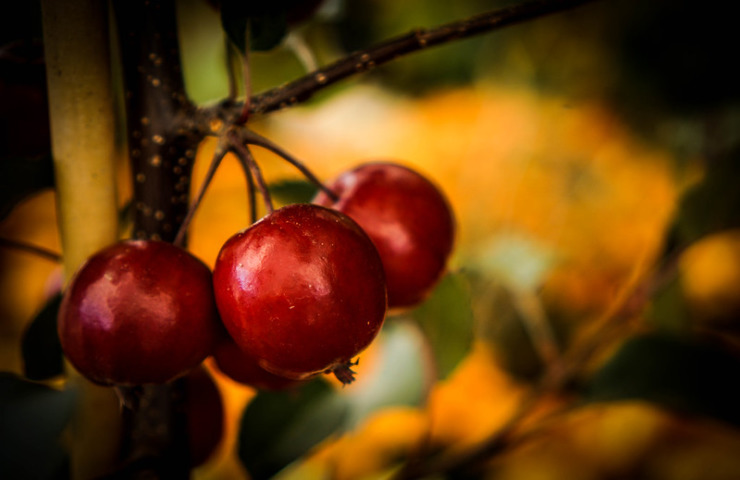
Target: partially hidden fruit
204,411
139,312
302,290
243,368
408,219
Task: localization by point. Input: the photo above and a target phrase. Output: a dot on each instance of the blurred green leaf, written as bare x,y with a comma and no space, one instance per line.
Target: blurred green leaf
668,309
293,191
674,372
502,325
32,418
401,376
516,260
267,22
22,177
42,352
446,318
279,427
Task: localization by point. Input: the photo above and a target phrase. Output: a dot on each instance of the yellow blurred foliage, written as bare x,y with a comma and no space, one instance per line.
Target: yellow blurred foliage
624,440
473,403
388,437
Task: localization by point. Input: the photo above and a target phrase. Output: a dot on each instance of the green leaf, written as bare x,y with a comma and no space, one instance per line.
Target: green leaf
266,22
267,31
502,325
401,374
32,418
677,373
42,352
446,318
293,191
22,177
279,427
668,309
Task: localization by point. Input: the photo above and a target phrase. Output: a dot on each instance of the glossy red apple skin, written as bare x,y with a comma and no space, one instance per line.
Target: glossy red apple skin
407,217
243,368
302,290
139,312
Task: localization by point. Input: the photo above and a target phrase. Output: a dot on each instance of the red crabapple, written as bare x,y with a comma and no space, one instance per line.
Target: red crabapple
138,312
302,290
406,216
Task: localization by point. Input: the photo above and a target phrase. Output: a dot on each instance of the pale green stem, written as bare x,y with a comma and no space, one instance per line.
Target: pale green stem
82,128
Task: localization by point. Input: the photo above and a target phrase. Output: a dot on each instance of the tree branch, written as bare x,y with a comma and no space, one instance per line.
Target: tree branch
162,142
305,87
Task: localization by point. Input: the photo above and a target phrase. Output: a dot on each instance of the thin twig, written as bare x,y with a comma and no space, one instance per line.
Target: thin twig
305,87
253,138
34,249
218,156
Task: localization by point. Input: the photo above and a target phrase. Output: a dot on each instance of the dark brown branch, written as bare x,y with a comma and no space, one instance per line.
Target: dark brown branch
162,138
162,142
303,88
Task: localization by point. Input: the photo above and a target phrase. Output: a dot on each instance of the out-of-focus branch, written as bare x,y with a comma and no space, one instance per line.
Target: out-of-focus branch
305,87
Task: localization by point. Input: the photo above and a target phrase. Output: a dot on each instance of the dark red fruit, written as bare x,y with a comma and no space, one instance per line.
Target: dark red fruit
243,368
205,415
407,217
302,291
139,312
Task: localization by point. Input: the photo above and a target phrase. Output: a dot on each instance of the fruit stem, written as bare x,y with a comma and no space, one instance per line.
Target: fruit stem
254,138
218,156
244,155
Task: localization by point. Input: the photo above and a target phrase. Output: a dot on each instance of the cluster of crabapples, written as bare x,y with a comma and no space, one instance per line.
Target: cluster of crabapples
298,293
